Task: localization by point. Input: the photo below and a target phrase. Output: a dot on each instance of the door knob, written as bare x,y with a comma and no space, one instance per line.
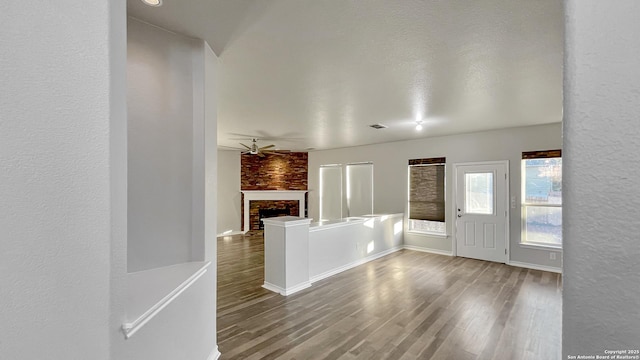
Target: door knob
459,215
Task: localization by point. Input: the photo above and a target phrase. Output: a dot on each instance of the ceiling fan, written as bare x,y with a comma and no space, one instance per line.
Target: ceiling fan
254,149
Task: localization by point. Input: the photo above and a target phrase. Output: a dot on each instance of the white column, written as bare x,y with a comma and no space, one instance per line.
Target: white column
286,254
63,172
600,182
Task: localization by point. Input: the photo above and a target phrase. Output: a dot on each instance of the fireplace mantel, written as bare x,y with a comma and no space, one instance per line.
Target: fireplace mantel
252,195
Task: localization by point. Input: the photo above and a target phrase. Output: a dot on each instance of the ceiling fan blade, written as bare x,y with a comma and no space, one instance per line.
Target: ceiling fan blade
272,153
243,136
267,147
229,148
245,146
264,135
261,154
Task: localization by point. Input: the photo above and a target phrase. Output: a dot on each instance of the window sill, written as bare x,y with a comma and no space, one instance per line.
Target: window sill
541,246
429,234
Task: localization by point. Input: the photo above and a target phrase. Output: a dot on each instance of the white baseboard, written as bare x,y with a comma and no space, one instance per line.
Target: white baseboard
215,354
340,269
287,291
535,267
272,287
428,250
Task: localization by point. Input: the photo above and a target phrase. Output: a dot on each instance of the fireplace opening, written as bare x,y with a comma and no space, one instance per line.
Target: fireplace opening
272,212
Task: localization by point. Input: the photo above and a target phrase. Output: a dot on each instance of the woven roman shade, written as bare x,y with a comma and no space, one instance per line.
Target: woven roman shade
426,189
542,154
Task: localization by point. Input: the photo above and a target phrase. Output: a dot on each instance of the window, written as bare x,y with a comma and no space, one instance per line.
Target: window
330,192
542,198
426,195
359,189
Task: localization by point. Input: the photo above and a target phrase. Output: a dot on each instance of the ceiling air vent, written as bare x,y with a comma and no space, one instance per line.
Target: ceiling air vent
378,126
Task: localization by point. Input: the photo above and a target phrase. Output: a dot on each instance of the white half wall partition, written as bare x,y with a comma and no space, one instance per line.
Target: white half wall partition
339,245
298,253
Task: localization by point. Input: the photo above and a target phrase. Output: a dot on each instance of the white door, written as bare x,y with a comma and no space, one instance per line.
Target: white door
482,193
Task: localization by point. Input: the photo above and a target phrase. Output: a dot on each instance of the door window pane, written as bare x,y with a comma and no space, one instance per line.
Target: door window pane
543,224
479,193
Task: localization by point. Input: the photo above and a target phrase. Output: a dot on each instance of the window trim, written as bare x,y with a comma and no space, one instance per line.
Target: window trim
426,162
540,246
443,235
530,155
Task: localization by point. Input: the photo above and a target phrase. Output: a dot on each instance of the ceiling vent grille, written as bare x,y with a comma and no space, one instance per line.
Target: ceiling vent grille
378,126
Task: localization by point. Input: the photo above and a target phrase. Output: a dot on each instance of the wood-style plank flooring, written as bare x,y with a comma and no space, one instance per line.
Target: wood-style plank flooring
407,305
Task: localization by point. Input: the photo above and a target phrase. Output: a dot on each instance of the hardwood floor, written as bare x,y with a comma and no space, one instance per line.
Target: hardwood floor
407,305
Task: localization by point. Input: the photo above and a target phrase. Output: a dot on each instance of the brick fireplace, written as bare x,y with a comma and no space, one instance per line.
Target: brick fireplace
275,184
255,200
259,209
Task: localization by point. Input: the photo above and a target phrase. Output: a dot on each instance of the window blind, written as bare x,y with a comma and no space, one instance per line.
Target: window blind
359,189
426,189
330,192
542,154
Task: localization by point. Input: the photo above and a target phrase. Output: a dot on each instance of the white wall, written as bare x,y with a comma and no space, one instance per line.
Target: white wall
229,198
172,186
62,177
185,329
390,161
160,96
205,156
602,142
211,154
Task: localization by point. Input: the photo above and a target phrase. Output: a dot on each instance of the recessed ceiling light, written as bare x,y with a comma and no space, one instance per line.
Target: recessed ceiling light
152,2
419,125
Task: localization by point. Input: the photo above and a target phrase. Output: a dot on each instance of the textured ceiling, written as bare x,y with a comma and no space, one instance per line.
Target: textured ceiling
319,72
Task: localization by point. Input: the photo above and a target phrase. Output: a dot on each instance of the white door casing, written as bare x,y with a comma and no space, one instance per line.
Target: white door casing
482,211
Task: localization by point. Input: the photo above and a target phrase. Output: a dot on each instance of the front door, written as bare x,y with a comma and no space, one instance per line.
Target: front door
482,194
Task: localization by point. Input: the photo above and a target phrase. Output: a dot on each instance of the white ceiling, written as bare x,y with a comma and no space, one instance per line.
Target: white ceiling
319,72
